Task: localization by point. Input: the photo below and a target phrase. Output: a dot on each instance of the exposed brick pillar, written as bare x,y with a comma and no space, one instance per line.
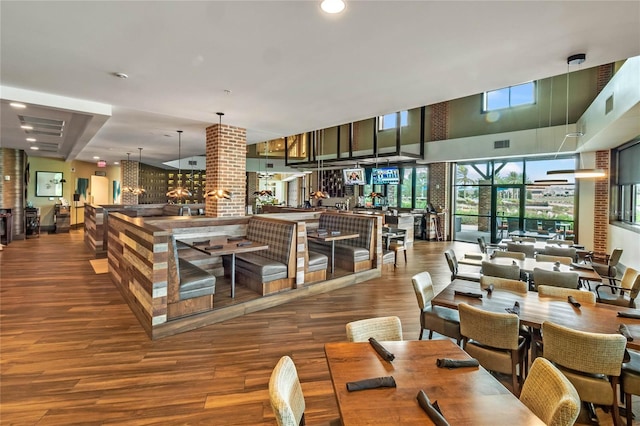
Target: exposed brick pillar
605,72
440,121
226,169
252,184
601,205
129,177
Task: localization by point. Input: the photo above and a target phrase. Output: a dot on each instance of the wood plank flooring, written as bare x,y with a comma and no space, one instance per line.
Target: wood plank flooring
73,353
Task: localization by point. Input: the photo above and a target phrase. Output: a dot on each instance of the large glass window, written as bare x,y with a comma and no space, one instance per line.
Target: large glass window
507,97
422,180
390,121
627,204
406,188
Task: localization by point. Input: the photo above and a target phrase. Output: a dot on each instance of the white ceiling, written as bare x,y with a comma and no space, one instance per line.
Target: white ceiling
290,68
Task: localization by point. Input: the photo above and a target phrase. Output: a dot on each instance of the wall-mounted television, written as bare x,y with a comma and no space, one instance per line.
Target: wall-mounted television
353,176
386,176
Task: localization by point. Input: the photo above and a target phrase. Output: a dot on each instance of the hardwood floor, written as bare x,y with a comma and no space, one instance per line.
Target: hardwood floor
73,353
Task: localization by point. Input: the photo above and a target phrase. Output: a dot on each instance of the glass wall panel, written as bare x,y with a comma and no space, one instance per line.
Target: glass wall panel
508,172
422,180
406,189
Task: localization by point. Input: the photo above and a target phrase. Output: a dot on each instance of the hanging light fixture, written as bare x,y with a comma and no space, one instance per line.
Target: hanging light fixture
179,192
266,192
219,193
332,6
319,194
138,189
580,173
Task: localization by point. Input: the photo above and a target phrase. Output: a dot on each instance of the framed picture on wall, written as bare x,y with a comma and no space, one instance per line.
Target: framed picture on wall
49,184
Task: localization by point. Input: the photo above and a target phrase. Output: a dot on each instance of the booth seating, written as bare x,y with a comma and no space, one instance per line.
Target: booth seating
176,210
190,288
271,270
355,254
317,269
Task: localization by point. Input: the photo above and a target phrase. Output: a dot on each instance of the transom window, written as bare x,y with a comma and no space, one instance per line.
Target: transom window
512,96
390,121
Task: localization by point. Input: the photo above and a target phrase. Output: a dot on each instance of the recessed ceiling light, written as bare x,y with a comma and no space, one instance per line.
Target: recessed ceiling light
26,127
31,139
95,157
115,163
332,6
121,75
17,105
35,148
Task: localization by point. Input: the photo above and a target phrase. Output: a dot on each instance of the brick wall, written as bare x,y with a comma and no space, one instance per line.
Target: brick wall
605,72
601,205
439,182
129,177
440,121
226,164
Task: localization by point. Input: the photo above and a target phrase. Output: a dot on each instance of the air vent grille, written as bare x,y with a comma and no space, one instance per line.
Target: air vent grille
42,126
46,146
501,144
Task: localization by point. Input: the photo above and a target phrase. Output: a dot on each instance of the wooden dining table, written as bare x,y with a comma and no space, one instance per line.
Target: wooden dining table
469,395
535,310
585,271
222,245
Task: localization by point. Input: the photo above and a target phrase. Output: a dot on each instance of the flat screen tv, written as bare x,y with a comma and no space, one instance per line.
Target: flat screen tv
386,176
353,176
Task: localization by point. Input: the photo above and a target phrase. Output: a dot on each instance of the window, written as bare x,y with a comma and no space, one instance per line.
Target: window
628,184
512,96
390,121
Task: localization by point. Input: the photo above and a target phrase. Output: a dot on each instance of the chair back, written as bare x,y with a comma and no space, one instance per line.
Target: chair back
561,251
615,257
489,328
381,328
550,395
514,286
528,249
511,272
560,242
629,278
592,353
524,239
549,258
555,278
482,244
511,254
423,287
285,393
585,297
452,261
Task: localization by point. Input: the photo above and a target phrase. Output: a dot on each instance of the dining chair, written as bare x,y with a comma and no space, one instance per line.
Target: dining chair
565,260
494,340
626,293
511,272
484,245
285,394
524,239
557,242
434,318
550,395
561,251
380,328
515,286
528,249
630,382
511,254
584,297
591,361
452,261
606,265
555,278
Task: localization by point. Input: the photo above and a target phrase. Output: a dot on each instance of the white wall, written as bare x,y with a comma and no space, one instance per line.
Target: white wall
628,241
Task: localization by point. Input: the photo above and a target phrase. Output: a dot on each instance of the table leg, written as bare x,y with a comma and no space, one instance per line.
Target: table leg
333,255
233,275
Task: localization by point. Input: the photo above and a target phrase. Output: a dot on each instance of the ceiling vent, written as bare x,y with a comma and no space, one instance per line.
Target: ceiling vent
501,144
46,146
41,126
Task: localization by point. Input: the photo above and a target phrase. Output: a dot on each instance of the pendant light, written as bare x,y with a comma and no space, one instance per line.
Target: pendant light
580,173
179,192
219,193
319,194
138,189
266,192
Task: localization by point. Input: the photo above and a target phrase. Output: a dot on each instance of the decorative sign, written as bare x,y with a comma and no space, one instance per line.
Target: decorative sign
102,163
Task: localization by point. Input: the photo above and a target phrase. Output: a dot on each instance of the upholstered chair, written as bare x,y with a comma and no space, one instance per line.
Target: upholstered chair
555,278
528,249
285,394
510,254
511,272
515,286
584,297
630,382
606,266
452,261
550,395
565,260
626,290
494,340
591,361
560,251
442,320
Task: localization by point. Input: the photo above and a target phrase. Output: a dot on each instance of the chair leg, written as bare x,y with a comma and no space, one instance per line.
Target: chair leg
405,256
421,333
629,410
615,412
430,334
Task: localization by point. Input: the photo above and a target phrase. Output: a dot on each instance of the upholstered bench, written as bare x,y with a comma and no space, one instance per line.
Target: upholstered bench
355,254
272,270
317,268
190,288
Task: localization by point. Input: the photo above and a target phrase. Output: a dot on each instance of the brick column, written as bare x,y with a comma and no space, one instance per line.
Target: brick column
129,177
440,121
439,173
226,169
601,205
605,72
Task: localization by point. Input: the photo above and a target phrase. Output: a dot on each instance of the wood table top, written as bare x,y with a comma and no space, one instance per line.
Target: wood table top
221,246
534,310
465,395
329,237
